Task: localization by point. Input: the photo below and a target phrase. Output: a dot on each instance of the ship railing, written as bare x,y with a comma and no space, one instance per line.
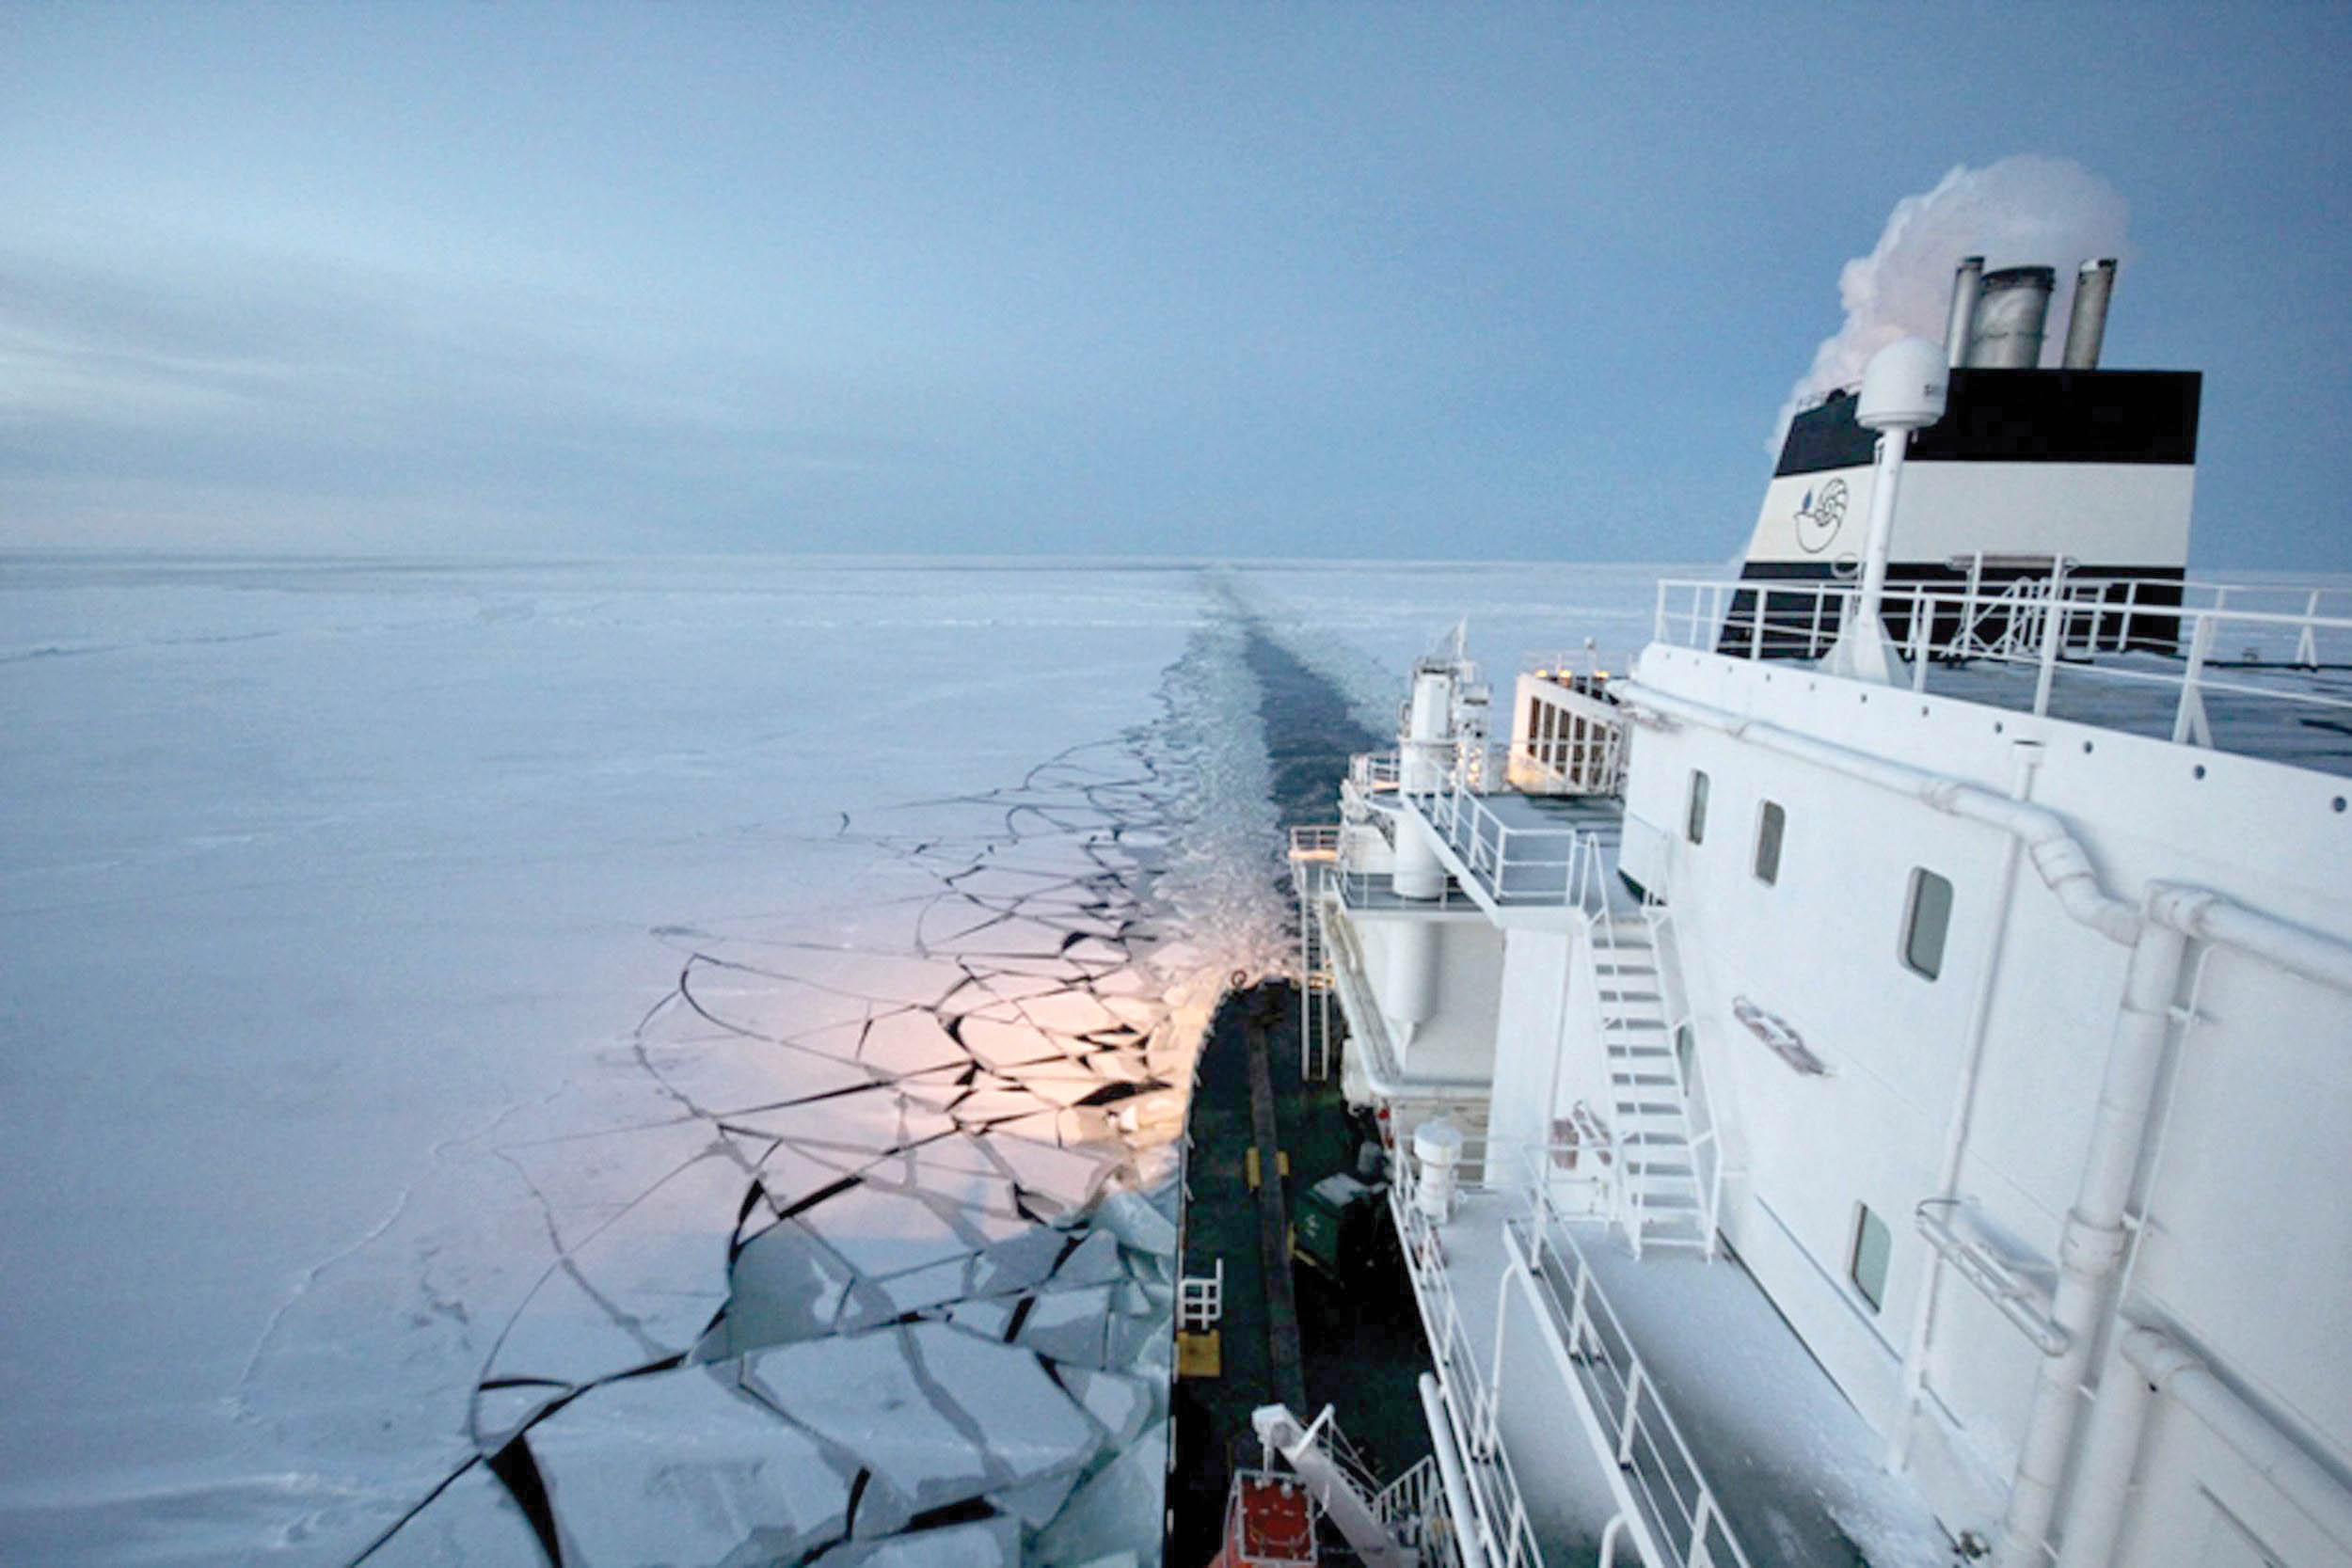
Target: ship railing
1314,852
1414,1509
1472,1399
1318,842
1706,1145
1679,1511
2266,643
1626,1196
1326,865
1513,863
1630,1196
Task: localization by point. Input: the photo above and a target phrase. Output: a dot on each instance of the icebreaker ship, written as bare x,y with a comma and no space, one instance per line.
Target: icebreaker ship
1873,1082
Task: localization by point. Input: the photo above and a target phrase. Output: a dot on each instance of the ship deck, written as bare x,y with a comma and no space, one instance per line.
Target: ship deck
1518,854
1357,1347
2258,670
2299,717
1794,1468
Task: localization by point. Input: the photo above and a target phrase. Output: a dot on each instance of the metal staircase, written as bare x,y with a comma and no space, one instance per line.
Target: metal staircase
1314,856
1662,1202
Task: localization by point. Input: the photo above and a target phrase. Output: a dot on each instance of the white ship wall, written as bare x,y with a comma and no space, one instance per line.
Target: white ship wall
1456,1041
2100,514
2248,1255
1536,1087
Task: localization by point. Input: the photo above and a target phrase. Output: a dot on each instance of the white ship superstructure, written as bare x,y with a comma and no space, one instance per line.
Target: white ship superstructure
1894,1115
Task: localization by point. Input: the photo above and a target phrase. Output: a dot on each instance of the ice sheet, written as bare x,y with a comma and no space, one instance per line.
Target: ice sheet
424,975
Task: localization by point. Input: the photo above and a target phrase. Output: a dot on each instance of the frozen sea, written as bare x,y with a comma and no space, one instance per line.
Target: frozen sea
381,944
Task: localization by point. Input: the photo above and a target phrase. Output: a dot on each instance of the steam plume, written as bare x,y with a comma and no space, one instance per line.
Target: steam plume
2019,211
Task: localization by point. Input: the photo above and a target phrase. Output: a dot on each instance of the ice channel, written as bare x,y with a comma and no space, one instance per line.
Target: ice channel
893,1282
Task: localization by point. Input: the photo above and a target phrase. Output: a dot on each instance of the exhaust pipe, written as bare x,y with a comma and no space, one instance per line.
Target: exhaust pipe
1966,285
2087,324
2011,311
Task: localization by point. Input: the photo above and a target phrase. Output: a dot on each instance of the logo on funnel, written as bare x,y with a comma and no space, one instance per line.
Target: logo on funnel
1819,515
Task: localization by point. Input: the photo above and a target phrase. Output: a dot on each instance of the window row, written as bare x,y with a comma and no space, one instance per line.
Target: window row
1926,907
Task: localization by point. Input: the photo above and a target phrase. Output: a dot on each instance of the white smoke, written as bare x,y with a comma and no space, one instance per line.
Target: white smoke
2020,211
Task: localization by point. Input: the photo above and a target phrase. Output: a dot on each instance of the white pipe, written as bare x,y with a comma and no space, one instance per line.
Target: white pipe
1410,996
2156,1365
1609,1539
2102,1477
2296,949
1382,1074
2178,1374
2090,1248
2025,756
2058,858
1467,1538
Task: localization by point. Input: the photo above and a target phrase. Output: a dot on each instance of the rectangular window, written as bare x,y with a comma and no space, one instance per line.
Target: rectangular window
1872,1245
1928,917
1768,824
1694,821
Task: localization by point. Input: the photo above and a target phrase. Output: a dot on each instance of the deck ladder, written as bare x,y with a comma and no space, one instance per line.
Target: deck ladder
1315,855
1660,1201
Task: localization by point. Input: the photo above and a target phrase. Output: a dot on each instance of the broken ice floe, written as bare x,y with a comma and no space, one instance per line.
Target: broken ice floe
894,1287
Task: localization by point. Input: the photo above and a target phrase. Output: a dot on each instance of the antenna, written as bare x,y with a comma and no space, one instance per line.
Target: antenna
1901,391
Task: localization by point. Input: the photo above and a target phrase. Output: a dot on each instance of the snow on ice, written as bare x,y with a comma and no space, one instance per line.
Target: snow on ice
511,1058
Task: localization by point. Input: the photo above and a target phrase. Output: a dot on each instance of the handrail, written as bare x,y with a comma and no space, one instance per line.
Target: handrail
1684,1516
1408,1506
2097,629
1484,842
1627,1197
1496,1498
1689,1080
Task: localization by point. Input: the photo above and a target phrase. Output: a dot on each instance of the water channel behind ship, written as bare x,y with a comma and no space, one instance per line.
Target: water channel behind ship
1356,1343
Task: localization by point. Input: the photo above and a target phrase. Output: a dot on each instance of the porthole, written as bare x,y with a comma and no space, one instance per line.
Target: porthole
1873,1248
1771,822
1927,919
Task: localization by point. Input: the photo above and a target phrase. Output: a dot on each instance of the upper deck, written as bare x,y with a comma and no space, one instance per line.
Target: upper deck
2262,671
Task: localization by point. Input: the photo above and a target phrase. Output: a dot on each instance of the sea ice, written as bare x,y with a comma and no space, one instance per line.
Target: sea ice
680,1466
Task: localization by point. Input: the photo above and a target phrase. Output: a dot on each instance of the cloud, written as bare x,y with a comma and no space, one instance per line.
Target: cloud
2019,211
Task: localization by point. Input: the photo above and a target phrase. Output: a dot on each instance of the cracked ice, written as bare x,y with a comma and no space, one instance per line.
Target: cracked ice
936,1326
849,1242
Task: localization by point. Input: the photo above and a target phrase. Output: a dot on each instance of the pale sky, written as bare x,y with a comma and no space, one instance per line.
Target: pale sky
1388,280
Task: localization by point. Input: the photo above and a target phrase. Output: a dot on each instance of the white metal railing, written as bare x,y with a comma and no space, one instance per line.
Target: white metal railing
1707,1147
1680,1509
2260,643
1471,1401
1413,1507
1200,1300
1314,851
1565,664
1320,842
1678,1506
1513,864
1636,1163
1625,1194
